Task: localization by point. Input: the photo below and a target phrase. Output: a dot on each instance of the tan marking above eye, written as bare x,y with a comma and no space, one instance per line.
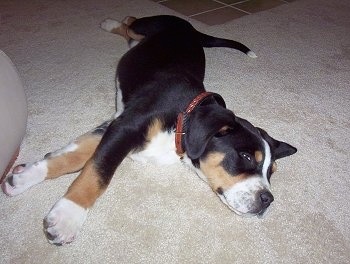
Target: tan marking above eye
217,176
258,156
224,130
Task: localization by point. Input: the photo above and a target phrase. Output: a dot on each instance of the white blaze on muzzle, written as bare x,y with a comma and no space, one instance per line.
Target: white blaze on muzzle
267,162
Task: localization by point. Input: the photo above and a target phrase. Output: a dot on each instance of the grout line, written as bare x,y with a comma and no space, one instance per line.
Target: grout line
233,7
221,7
219,2
207,11
243,1
224,5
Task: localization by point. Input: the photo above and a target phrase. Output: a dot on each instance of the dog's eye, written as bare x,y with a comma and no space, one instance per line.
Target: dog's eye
246,156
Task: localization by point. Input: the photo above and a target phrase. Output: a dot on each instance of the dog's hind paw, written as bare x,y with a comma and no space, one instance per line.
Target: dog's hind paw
110,25
23,177
64,221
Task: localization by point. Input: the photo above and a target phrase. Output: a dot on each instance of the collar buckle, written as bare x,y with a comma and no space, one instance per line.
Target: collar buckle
183,116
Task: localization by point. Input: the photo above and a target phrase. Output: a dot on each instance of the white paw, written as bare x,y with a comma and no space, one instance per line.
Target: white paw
64,221
23,177
109,24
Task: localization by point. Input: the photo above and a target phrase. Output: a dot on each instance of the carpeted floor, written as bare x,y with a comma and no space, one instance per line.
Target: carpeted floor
297,89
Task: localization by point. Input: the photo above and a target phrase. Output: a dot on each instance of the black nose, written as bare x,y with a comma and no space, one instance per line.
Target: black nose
266,199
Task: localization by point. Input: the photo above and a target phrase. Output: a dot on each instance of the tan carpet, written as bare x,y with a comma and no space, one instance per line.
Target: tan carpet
297,89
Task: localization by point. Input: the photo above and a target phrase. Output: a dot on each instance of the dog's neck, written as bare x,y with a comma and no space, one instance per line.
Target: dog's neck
182,118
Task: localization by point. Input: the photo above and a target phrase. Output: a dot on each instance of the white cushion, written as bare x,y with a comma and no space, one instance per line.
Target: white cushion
13,111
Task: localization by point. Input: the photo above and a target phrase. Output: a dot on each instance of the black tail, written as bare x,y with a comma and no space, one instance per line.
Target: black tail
148,26
210,42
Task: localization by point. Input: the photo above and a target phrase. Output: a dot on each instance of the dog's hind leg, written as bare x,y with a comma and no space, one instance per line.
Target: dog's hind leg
68,159
122,29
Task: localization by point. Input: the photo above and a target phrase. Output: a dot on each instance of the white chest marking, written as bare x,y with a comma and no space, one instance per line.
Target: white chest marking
161,150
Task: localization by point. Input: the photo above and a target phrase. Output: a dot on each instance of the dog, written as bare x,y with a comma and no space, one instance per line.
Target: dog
164,115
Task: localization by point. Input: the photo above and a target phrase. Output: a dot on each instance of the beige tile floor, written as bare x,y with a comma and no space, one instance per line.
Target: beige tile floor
215,12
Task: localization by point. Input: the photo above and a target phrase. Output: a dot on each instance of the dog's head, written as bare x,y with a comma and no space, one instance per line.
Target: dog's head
236,158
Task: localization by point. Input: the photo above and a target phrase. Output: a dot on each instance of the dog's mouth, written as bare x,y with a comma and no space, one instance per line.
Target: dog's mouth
259,213
262,213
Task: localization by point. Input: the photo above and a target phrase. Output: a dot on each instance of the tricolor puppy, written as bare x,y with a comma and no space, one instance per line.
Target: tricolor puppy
165,116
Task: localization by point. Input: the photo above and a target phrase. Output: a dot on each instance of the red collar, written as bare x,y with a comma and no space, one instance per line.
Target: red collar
183,116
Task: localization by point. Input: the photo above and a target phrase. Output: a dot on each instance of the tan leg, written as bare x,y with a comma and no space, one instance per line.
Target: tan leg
87,187
73,157
70,158
121,28
128,20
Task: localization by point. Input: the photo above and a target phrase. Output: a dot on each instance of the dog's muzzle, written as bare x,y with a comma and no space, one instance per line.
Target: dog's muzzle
248,198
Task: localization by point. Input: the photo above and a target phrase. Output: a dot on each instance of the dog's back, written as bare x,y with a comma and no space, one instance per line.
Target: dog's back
150,26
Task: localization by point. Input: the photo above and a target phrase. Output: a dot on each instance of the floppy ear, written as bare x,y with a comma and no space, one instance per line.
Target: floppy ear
204,123
279,149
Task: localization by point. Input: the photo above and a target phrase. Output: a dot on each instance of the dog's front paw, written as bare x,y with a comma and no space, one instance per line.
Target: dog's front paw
23,177
64,221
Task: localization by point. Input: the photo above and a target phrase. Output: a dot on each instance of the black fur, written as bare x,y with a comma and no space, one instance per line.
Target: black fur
158,78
